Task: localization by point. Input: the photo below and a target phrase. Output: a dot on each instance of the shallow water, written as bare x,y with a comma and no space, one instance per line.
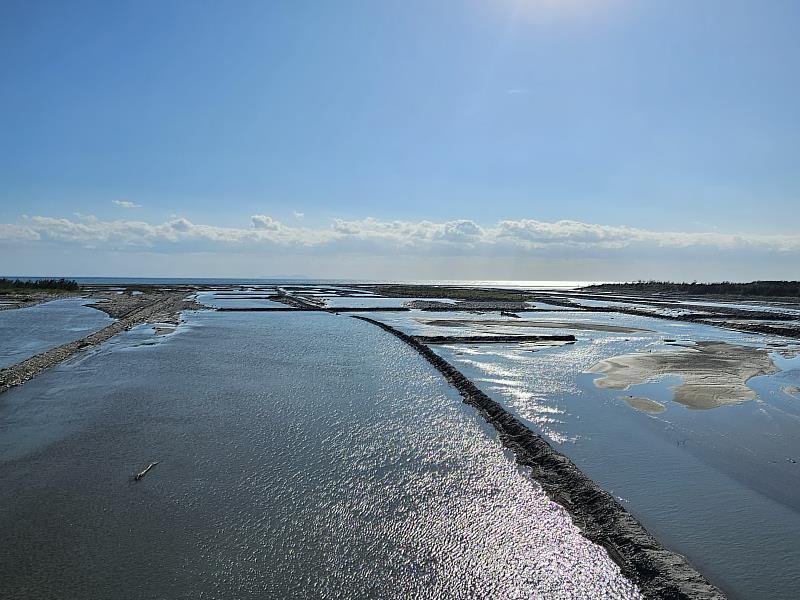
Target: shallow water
25,332
304,455
663,306
376,302
721,486
240,300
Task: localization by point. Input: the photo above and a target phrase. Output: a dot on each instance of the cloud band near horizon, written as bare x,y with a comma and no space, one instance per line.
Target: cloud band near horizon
411,237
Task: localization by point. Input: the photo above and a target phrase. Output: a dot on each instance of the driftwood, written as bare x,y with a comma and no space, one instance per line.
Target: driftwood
141,474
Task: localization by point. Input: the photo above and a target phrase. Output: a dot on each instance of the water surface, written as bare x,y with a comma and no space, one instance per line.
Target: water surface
25,332
302,455
721,486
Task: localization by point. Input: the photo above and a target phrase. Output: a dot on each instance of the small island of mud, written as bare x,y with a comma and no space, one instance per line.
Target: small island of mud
644,404
714,373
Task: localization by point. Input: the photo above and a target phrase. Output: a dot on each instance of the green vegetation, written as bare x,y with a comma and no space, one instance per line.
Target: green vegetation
454,293
782,289
27,285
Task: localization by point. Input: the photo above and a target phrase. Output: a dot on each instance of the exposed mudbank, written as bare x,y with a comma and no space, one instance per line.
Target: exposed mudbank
131,311
644,404
577,325
658,572
465,305
728,317
302,308
714,373
550,340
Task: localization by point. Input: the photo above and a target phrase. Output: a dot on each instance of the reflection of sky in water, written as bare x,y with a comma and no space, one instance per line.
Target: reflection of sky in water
716,485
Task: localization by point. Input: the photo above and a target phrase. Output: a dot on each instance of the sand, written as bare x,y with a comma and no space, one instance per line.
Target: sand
644,404
714,374
526,323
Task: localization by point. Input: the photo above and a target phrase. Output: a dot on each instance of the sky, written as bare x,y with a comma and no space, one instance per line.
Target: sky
401,139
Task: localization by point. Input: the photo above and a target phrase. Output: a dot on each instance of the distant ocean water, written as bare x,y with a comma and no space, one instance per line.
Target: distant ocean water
304,281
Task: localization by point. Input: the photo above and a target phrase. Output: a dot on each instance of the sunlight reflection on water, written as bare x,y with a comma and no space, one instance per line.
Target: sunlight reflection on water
302,455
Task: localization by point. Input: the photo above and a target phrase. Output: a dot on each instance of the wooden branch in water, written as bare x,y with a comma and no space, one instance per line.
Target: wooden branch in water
139,476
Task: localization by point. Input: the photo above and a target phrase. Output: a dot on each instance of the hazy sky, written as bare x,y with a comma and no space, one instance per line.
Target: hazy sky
529,139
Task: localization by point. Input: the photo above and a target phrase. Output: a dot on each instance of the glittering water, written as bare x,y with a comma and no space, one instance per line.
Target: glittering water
25,332
302,455
720,486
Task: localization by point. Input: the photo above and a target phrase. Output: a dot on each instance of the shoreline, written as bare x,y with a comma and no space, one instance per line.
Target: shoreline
15,300
659,573
164,308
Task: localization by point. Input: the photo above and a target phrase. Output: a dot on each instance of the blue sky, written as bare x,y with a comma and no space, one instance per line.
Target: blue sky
531,139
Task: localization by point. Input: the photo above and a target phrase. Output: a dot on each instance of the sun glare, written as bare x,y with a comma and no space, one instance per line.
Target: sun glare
559,10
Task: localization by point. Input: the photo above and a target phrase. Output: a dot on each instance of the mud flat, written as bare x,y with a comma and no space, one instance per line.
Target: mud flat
302,308
714,373
525,323
644,404
433,305
658,572
733,318
130,310
548,340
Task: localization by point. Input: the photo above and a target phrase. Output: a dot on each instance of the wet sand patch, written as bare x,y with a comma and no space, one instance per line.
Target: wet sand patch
644,404
526,323
544,340
714,373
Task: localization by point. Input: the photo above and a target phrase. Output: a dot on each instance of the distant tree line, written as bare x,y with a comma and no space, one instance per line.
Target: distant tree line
38,284
453,293
724,288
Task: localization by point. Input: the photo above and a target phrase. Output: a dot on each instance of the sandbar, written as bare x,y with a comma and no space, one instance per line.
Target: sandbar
713,373
644,404
526,323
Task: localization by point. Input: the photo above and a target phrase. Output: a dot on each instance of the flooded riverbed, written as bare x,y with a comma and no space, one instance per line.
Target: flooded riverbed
303,455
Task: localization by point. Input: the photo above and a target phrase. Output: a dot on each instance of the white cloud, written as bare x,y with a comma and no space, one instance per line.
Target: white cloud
423,238
17,233
265,222
126,204
298,215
